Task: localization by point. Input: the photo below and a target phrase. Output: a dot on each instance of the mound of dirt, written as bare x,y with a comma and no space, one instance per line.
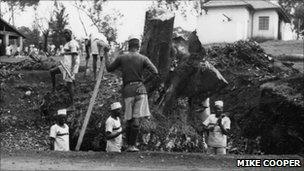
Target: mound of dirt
246,66
281,116
22,126
243,64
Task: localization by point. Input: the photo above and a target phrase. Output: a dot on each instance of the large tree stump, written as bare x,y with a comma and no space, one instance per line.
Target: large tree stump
193,77
157,40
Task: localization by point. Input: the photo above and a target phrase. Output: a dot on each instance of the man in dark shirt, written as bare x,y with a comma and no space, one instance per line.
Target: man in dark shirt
132,65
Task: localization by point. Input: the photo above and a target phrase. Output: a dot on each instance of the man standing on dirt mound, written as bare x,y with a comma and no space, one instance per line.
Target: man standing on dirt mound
98,43
132,65
69,65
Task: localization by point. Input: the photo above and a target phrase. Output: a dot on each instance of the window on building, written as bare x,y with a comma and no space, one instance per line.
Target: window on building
263,23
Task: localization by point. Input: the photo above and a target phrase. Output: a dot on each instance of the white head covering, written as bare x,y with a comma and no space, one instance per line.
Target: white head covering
62,112
219,103
115,105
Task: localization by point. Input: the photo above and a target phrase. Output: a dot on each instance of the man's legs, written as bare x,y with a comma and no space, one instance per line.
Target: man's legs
128,130
101,57
94,64
54,72
132,130
87,62
71,93
132,127
220,150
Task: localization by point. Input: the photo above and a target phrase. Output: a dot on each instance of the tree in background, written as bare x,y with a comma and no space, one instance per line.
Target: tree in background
32,36
295,8
57,24
105,21
15,5
299,19
183,7
43,25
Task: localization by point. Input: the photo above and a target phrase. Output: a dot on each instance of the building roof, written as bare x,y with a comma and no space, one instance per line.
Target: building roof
9,27
223,3
251,4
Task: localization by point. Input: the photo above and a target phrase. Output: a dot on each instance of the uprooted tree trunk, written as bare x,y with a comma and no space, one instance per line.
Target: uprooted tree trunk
193,77
157,40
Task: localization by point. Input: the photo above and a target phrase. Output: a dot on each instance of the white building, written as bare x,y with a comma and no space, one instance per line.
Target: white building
233,20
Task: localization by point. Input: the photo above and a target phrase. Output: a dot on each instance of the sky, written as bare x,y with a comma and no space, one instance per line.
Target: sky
131,24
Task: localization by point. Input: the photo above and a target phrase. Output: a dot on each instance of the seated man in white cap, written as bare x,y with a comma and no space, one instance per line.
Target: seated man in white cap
218,127
59,134
113,129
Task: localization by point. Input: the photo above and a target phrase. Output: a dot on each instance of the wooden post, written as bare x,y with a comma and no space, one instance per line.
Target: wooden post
20,41
89,111
6,42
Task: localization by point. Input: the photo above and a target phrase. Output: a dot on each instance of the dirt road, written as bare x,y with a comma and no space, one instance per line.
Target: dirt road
49,160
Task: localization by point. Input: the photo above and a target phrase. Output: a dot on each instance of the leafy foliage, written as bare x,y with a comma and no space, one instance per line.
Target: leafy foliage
105,21
183,7
296,10
57,24
31,36
21,4
15,5
288,5
299,18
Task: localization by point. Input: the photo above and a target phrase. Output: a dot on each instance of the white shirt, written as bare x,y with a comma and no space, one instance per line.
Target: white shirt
216,138
61,136
71,46
114,126
97,47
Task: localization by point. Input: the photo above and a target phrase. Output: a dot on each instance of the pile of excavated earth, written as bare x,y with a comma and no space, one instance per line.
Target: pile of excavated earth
264,99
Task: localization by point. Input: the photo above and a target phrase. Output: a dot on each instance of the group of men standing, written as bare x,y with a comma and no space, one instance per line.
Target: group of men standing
134,93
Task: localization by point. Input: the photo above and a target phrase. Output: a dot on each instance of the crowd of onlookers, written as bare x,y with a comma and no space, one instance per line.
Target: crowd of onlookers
52,50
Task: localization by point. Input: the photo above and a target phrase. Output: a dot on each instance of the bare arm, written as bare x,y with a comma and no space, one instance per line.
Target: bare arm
111,66
206,125
223,129
52,141
151,67
110,135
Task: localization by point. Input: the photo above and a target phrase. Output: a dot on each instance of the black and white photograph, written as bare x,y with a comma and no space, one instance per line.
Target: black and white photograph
152,85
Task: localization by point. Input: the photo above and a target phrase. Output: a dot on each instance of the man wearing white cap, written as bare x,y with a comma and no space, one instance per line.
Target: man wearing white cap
59,134
218,127
132,65
69,65
113,129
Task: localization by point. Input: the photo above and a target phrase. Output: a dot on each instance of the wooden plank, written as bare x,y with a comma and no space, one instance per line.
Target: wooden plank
90,108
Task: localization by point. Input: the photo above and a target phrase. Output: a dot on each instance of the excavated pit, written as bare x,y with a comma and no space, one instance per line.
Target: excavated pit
27,119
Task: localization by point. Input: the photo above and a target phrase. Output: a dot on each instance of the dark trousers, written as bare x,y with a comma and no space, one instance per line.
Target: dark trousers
54,72
132,131
95,63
